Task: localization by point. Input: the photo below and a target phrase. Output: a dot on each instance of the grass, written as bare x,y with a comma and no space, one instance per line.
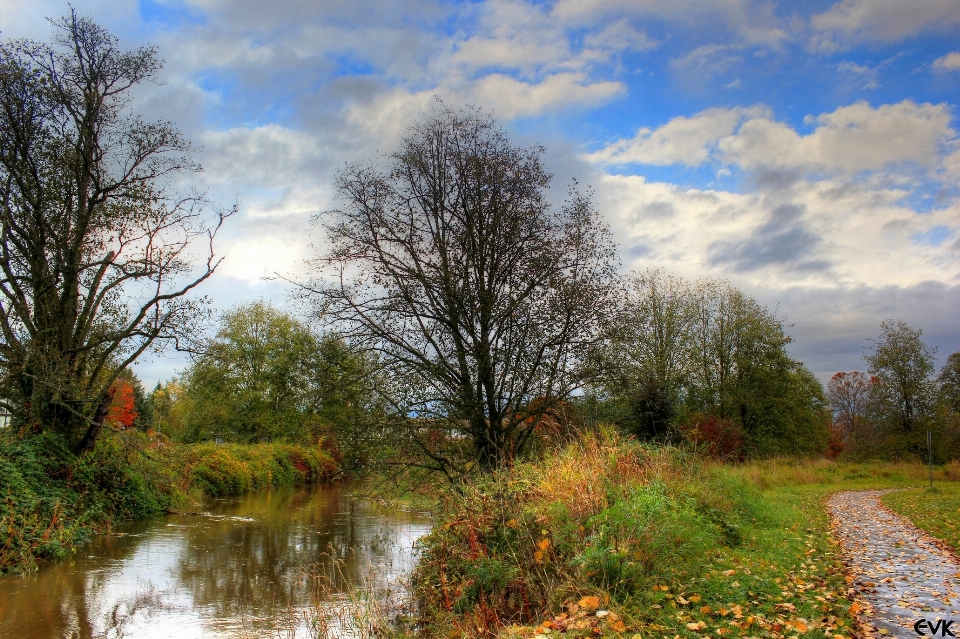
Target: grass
936,511
660,542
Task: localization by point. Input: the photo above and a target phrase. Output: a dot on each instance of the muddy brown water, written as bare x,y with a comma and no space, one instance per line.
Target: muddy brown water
246,567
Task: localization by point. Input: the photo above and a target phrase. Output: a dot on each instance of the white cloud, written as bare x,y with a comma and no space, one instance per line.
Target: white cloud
708,60
949,62
751,22
511,98
690,141
864,76
851,22
620,36
849,140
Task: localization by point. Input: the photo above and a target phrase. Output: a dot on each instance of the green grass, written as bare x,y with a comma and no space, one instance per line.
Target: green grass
937,511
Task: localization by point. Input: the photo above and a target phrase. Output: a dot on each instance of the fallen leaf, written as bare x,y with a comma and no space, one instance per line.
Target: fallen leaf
589,603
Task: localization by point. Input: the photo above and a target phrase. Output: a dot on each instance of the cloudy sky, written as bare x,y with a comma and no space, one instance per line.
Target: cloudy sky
806,151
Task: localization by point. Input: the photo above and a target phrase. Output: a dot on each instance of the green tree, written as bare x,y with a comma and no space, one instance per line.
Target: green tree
346,388
253,381
948,383
475,291
681,356
265,377
901,366
646,354
95,252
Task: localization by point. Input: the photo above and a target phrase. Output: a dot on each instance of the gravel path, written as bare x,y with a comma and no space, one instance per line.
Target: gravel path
900,573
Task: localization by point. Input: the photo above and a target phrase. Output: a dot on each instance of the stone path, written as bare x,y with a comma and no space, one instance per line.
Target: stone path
901,573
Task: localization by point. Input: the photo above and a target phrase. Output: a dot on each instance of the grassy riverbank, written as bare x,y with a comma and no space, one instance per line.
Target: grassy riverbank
668,544
50,501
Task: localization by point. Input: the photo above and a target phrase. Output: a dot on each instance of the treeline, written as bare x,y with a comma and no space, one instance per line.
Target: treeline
887,411
700,362
704,362
265,377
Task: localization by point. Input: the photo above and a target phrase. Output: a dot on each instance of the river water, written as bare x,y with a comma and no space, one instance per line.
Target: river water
285,563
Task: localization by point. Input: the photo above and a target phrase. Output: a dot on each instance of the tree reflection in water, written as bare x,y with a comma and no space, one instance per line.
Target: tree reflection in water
249,564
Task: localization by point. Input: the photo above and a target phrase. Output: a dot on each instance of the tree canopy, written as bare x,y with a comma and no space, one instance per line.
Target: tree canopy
681,355
95,260
265,376
473,289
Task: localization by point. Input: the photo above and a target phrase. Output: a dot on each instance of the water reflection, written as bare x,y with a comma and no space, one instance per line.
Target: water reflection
243,569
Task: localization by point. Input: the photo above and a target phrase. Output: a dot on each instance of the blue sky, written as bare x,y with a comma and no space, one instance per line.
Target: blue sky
806,151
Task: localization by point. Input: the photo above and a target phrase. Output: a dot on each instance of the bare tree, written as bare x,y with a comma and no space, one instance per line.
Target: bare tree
469,285
95,254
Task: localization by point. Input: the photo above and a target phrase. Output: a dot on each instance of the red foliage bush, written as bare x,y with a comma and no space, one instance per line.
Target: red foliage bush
716,436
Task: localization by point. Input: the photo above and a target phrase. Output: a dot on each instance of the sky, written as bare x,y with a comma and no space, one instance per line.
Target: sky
805,151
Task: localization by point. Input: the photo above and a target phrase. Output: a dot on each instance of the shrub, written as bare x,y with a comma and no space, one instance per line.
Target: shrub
717,437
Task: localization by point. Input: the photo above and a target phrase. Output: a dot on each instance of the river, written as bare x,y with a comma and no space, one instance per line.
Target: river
284,563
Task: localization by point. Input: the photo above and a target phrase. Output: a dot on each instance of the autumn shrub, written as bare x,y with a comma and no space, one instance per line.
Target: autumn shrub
717,437
231,469
604,515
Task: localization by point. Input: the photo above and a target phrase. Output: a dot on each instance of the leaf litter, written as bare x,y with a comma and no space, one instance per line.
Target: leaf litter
897,573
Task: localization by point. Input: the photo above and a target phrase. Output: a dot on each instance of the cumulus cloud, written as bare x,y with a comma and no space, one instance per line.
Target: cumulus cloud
852,22
827,233
849,140
683,140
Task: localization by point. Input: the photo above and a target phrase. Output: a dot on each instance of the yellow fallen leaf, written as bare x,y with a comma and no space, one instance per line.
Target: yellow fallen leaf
544,544
727,573
617,626
589,602
695,598
681,600
512,523
797,625
706,610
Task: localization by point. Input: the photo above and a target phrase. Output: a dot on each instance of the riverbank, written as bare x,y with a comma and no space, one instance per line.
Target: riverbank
613,538
51,501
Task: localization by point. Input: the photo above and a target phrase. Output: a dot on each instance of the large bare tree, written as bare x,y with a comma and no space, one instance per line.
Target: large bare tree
96,243
451,263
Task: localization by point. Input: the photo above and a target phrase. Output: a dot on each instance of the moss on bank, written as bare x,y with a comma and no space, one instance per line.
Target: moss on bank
51,501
